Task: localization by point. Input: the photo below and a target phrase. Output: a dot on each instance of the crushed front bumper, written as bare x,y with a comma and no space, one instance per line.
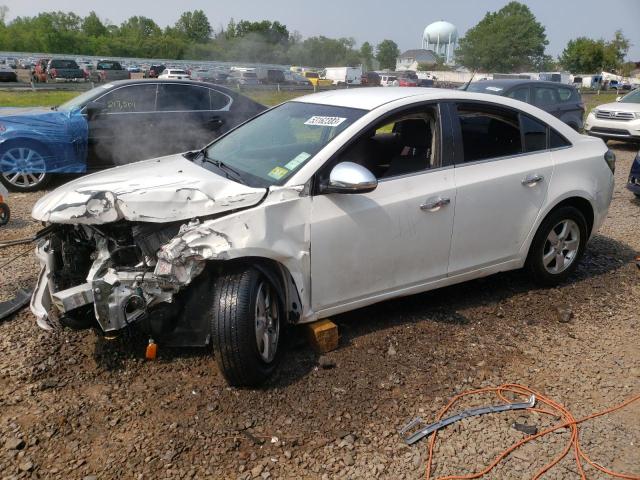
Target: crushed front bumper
118,296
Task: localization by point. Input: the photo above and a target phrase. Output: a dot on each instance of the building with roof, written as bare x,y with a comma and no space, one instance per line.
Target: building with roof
410,59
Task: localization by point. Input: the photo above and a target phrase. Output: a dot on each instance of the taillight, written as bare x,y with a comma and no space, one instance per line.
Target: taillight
610,158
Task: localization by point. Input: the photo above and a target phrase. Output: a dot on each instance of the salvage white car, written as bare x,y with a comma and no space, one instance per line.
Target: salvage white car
175,74
321,205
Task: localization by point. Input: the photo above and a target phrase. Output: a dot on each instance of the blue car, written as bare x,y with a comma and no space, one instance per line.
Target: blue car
634,177
115,124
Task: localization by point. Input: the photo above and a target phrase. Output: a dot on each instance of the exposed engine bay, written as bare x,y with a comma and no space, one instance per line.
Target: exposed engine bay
111,276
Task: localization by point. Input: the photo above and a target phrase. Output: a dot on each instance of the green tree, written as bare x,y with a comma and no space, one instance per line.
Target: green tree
509,40
586,55
387,53
194,26
92,26
366,53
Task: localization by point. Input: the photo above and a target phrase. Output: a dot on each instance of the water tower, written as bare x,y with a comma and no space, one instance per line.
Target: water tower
442,38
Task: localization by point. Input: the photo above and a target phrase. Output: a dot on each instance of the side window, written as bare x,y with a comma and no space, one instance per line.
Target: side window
180,98
218,100
134,98
545,95
565,94
556,140
521,94
402,144
534,134
488,132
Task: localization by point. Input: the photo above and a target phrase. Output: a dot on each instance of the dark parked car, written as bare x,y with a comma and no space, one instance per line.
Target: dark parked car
371,79
560,100
7,74
634,177
156,70
116,123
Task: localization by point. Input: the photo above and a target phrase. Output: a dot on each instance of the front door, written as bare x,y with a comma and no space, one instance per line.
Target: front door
123,132
373,245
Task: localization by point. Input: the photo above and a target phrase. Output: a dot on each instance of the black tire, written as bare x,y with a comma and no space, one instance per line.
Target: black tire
234,324
540,273
25,186
5,214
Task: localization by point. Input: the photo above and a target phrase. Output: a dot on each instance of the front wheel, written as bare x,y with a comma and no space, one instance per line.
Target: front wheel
557,246
245,324
23,167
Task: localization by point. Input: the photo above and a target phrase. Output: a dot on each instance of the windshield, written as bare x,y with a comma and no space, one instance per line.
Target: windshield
273,146
64,64
109,66
633,97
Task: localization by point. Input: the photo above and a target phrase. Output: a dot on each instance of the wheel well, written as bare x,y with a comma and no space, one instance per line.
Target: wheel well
278,275
23,141
581,204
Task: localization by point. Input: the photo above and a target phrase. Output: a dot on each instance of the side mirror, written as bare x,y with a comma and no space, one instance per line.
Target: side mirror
618,98
349,177
93,109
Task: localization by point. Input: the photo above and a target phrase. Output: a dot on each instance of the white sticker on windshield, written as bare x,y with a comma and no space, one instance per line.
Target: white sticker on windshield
297,160
494,89
325,121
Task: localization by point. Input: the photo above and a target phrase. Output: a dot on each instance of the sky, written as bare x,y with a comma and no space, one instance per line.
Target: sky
370,20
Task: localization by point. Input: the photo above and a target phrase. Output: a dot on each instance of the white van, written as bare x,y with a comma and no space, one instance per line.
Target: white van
344,75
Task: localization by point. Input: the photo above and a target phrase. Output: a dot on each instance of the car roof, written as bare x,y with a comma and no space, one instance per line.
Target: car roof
372,98
512,82
143,81
367,98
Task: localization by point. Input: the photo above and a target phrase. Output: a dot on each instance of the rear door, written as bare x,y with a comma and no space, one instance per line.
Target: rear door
190,116
546,98
124,130
570,108
501,175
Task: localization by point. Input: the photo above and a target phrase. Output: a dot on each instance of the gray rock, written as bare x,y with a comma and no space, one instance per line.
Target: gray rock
14,444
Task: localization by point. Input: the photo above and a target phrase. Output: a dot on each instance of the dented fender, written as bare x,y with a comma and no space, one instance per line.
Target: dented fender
278,229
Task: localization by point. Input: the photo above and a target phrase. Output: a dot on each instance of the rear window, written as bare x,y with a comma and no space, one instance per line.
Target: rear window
565,94
311,75
70,64
249,75
177,72
109,66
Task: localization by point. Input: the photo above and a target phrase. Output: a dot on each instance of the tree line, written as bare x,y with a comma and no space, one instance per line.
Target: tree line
512,40
508,40
191,37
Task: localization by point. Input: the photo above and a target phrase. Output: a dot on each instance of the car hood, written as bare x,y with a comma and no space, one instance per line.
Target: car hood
32,115
160,190
620,107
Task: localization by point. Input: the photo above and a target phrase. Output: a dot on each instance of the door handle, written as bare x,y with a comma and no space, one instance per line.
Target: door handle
434,204
531,180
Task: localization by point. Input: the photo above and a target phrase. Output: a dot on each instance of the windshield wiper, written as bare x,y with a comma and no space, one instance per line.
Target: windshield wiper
229,170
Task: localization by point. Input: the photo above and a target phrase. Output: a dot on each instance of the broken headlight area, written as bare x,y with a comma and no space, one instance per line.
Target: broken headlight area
112,276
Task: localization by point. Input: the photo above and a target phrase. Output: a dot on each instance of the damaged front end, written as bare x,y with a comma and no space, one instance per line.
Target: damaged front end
112,276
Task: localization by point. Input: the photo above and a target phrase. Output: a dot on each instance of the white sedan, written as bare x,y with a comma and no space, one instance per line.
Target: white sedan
321,205
175,74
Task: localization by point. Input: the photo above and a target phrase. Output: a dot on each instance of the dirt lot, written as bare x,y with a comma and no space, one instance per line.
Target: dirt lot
73,406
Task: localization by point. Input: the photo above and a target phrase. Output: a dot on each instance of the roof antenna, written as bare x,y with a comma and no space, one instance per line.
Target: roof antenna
466,85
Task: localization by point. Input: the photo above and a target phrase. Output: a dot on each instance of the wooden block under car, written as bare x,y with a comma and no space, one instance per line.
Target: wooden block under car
322,335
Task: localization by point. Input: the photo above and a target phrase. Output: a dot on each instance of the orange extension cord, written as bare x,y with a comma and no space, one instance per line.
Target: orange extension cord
556,410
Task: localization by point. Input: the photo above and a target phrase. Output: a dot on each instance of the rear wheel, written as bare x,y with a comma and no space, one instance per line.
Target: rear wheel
557,246
245,323
23,167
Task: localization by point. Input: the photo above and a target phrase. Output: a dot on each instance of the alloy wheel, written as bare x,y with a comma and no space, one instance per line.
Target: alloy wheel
561,247
22,167
267,322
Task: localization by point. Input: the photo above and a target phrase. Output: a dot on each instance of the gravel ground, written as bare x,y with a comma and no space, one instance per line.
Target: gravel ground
75,406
